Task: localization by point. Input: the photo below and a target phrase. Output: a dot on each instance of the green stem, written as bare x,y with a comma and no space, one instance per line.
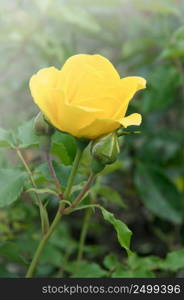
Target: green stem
65,260
80,196
73,173
42,243
57,218
19,153
85,229
31,178
83,235
53,175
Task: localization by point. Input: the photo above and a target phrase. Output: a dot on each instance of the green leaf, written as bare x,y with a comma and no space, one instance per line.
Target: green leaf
123,232
26,135
60,151
67,140
92,251
112,168
66,240
142,273
174,261
158,193
52,255
4,273
6,139
11,251
156,98
109,194
11,185
62,172
111,261
148,263
160,146
86,269
64,147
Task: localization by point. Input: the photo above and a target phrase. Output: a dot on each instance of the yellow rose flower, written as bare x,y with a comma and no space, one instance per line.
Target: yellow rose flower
86,98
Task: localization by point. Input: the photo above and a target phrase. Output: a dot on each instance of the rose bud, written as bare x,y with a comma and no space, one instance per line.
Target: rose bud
104,151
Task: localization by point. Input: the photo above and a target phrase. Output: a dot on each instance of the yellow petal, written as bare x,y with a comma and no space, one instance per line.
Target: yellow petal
86,98
107,104
41,82
85,76
133,119
52,102
73,118
47,77
61,114
135,82
127,89
98,127
42,86
95,62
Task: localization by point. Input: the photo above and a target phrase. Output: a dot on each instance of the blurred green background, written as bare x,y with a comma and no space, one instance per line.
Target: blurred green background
145,187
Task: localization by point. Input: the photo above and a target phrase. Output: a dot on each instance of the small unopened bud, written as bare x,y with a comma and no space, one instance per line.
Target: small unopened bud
41,126
104,151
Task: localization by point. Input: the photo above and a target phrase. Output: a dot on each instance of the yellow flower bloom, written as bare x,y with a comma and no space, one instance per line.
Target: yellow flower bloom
86,98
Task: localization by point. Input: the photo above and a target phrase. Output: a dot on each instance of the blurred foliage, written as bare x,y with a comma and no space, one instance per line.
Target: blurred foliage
145,187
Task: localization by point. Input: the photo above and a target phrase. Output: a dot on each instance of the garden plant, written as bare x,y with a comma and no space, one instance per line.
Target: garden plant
91,139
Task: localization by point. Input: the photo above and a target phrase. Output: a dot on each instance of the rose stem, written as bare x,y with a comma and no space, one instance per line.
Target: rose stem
58,216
